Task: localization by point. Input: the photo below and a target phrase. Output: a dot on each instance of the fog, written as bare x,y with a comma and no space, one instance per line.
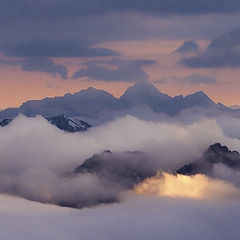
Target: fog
37,162
137,217
196,187
37,159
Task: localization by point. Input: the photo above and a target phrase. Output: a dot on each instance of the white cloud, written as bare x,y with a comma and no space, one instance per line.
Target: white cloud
37,158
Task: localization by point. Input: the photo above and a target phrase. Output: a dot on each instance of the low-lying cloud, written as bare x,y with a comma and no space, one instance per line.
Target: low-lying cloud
196,187
38,160
137,217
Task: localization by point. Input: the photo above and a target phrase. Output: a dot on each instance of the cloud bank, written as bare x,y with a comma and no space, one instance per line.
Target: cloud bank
44,65
154,217
57,9
196,187
188,46
41,166
131,71
221,52
193,79
40,47
37,162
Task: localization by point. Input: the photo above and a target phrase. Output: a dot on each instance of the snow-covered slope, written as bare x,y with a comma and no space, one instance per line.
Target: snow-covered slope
62,122
69,124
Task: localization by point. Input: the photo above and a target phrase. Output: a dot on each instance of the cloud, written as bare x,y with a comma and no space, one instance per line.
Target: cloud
41,172
52,86
9,62
162,217
223,51
55,48
43,65
221,171
193,79
131,71
196,187
58,9
188,46
48,21
121,61
162,80
38,64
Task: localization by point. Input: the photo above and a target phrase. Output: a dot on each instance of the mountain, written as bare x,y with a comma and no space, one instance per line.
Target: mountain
68,124
5,122
9,113
99,106
216,153
143,93
123,170
235,107
62,122
89,103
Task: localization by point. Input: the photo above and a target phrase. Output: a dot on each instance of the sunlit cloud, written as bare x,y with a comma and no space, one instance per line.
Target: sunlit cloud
194,187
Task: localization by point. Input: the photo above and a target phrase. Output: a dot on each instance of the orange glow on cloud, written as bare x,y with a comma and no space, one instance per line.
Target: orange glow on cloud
195,187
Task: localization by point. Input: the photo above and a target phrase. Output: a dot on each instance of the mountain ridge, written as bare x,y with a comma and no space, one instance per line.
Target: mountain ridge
94,103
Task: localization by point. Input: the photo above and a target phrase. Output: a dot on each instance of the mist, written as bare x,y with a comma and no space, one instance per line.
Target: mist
194,187
38,160
137,217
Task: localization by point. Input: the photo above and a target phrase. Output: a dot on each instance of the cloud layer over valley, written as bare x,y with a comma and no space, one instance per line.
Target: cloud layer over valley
41,167
39,161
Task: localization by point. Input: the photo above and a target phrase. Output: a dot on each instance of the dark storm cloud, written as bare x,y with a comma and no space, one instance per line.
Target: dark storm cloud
44,65
15,9
56,48
188,46
131,71
221,52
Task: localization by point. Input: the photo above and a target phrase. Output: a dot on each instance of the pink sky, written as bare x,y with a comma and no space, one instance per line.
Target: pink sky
18,86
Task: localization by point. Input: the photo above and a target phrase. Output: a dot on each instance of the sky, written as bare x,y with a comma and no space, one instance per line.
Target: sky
49,48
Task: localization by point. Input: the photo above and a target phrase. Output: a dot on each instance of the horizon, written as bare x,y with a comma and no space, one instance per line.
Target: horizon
116,96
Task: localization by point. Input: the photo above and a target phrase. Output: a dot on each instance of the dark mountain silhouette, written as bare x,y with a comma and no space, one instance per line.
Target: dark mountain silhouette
216,153
98,104
5,122
123,170
68,124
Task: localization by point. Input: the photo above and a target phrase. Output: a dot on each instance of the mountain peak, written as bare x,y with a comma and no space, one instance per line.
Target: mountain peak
199,97
93,91
143,94
144,86
142,90
201,94
68,124
215,154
